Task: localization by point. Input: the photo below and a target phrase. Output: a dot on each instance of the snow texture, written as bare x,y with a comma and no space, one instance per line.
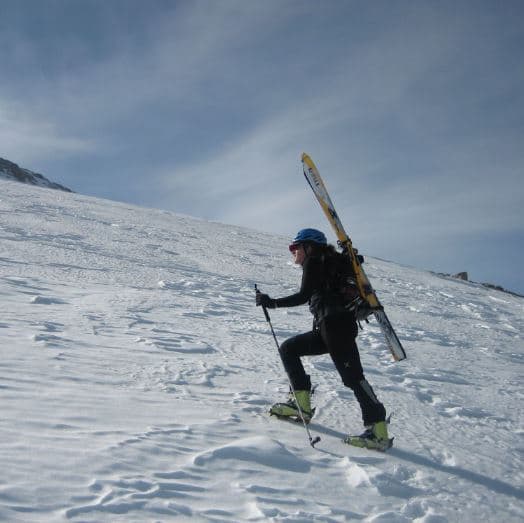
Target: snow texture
136,374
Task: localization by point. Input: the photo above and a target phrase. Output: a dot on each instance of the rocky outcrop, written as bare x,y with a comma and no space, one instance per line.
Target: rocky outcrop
11,171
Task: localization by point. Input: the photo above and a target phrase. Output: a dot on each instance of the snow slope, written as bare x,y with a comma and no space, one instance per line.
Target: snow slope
136,373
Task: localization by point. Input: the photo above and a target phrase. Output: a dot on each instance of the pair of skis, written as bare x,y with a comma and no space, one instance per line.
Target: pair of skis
365,288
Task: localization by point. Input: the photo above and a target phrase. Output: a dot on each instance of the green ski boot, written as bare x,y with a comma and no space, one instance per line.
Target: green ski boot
374,437
289,410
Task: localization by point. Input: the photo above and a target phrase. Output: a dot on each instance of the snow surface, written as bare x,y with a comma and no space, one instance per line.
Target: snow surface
136,374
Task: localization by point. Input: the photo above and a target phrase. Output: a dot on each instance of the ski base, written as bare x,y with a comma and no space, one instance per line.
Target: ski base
392,341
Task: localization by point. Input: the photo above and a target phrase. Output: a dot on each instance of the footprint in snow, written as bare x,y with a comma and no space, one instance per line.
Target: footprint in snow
176,344
43,300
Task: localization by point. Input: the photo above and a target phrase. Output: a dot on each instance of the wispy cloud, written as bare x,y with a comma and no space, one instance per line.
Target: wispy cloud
379,132
412,111
24,136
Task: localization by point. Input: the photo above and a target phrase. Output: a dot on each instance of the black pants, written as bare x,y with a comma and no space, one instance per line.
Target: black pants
335,335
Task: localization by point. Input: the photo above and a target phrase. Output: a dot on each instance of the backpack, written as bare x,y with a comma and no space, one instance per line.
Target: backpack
341,280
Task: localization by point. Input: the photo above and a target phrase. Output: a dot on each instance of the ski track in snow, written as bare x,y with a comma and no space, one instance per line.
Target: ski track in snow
136,375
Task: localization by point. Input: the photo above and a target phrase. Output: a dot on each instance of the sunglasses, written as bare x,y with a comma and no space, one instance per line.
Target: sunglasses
295,246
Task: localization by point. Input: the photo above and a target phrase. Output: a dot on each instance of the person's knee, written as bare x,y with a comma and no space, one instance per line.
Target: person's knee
351,378
285,347
290,344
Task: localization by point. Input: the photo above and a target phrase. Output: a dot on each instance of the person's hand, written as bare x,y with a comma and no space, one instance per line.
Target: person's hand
265,301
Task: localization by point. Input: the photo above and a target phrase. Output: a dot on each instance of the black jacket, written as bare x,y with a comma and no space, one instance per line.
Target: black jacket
316,289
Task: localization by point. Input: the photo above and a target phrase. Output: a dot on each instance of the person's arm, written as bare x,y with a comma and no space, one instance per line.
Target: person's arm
310,277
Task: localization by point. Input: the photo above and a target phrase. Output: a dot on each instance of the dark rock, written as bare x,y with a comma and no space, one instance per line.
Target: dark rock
11,171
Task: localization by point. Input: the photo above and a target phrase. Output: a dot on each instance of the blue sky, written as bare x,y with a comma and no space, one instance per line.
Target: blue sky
412,110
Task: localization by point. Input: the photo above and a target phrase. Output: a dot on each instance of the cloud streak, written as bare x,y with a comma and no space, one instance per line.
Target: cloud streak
26,136
412,111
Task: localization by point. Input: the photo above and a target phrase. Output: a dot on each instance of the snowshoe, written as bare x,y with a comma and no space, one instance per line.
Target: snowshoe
290,410
374,437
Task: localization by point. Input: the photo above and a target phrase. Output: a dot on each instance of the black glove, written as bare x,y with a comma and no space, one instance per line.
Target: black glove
265,301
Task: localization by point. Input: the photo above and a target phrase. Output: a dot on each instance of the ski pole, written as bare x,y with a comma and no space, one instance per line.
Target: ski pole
312,441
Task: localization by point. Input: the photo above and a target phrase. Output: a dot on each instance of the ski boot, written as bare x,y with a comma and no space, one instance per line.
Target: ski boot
289,410
374,437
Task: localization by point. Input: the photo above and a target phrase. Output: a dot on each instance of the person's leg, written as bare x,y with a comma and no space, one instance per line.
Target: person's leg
293,349
338,334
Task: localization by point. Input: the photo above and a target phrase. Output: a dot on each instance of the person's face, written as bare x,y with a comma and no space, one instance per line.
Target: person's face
299,254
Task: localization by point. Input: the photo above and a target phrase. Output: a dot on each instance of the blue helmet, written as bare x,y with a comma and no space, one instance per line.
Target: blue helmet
310,235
